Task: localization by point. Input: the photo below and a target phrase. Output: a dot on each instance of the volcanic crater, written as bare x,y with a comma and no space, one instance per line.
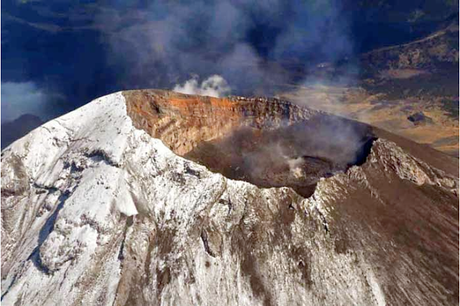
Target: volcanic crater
267,142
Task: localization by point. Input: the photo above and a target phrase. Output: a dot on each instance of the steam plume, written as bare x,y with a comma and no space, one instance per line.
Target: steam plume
255,46
214,86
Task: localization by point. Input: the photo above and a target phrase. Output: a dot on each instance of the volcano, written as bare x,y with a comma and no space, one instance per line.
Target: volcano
150,197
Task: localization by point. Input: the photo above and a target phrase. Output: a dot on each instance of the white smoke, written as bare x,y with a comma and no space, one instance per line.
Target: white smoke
214,86
22,98
295,166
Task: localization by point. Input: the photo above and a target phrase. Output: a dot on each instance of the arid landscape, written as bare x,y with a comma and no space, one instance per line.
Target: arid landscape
436,125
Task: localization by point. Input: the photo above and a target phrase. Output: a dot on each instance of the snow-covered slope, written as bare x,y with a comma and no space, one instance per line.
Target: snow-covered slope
97,212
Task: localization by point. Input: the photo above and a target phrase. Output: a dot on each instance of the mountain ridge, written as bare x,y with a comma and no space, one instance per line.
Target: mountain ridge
96,210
